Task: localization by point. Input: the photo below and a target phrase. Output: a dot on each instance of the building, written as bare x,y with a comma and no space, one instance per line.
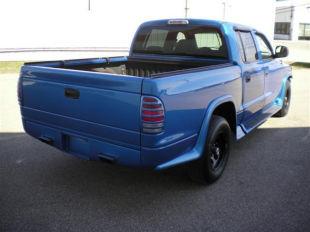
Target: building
292,20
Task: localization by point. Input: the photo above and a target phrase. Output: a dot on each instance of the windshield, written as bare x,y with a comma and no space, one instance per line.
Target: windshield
183,40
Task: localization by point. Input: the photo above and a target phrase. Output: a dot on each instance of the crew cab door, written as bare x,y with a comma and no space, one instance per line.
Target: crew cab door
272,69
253,77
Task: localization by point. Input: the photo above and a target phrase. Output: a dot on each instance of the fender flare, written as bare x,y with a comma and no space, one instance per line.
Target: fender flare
197,151
281,95
206,121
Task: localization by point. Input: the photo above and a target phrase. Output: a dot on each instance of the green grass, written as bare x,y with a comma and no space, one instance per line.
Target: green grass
301,65
10,66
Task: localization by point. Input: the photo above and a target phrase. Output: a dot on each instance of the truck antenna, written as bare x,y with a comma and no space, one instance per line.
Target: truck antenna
224,10
186,8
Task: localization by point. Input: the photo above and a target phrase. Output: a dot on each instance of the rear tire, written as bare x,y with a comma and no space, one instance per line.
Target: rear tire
211,165
286,101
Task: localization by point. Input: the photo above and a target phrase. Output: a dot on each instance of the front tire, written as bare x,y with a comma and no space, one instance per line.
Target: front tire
211,165
286,101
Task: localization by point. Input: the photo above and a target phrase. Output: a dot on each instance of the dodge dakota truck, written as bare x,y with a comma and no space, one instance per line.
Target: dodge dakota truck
187,89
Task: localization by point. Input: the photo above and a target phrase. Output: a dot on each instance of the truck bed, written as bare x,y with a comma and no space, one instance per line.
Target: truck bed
78,107
131,66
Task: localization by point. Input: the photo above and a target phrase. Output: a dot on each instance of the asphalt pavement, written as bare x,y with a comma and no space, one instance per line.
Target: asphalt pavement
265,187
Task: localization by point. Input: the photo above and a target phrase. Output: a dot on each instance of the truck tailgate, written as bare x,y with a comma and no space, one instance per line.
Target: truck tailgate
95,105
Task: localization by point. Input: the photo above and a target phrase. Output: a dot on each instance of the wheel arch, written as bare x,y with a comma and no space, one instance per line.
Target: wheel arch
227,110
218,106
197,150
280,97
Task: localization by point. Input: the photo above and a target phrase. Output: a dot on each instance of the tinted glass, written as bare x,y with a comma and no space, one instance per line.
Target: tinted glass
263,47
156,38
185,40
249,46
211,40
180,36
239,42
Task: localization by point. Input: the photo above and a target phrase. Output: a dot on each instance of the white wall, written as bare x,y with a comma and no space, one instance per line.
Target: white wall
68,23
284,14
301,15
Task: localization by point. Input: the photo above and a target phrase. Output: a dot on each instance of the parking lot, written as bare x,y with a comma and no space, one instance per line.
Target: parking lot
265,187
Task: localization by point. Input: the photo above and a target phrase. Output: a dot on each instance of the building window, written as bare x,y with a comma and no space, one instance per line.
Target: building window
304,31
282,28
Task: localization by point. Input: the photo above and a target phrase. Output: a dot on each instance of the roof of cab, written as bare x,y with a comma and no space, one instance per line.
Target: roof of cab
209,22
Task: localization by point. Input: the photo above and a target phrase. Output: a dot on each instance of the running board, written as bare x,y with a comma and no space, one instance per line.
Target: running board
240,133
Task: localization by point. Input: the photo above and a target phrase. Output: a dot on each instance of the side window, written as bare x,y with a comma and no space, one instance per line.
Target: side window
156,39
263,47
249,46
240,46
210,40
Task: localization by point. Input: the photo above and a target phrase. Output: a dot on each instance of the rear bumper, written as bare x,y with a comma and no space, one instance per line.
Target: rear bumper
81,146
88,148
169,155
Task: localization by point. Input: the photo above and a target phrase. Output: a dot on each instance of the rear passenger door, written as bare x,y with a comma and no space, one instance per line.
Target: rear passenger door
253,77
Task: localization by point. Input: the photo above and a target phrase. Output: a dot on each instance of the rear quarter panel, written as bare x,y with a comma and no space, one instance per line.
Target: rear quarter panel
186,97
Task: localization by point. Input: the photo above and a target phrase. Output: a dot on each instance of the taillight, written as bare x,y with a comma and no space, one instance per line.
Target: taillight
152,115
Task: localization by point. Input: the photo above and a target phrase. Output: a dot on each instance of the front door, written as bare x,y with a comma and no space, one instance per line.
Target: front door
272,67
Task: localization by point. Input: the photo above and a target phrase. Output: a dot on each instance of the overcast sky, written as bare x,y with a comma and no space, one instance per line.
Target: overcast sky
69,23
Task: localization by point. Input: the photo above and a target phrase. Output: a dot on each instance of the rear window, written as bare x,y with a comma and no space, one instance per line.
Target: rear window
157,38
211,40
184,40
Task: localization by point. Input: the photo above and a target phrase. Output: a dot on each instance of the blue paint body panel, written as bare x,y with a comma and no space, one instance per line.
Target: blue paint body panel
105,120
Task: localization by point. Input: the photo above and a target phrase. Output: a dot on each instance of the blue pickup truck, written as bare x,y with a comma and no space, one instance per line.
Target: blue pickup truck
187,88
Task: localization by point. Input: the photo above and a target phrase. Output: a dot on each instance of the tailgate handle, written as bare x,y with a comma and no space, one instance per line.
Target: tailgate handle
72,93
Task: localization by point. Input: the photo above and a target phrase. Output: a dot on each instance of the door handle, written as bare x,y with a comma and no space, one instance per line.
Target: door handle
247,76
72,93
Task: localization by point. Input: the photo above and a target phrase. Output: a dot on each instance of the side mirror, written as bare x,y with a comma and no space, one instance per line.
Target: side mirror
281,51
